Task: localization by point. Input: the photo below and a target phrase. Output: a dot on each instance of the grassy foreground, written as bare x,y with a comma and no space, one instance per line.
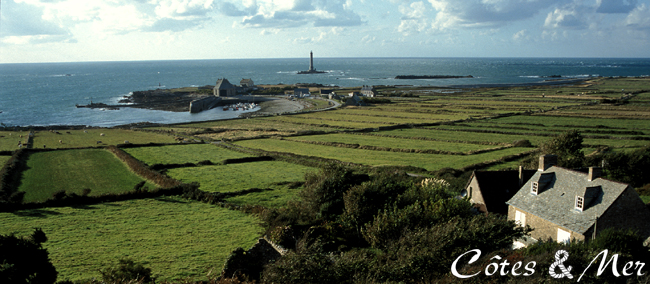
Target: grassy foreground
176,238
73,171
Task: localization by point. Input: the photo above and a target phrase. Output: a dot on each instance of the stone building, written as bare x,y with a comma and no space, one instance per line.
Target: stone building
224,88
368,91
563,204
247,83
489,190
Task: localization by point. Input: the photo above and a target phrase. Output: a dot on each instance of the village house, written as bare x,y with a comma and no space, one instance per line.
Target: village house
247,83
223,88
301,92
489,190
368,91
564,205
354,101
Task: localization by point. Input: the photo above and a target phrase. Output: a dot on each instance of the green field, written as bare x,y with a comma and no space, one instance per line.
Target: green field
9,139
176,238
389,142
439,134
270,198
3,160
430,162
90,138
236,177
75,170
179,154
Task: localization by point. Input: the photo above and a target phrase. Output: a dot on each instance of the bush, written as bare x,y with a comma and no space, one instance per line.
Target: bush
126,270
568,148
323,191
24,260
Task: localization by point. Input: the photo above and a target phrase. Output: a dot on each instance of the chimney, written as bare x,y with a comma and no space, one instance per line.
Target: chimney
521,176
546,161
594,173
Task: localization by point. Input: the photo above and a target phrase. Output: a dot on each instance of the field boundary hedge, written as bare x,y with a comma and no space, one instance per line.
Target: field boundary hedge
158,167
401,150
73,199
10,176
503,159
141,169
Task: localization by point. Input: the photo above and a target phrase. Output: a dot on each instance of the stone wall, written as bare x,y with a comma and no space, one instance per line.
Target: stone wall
627,212
206,103
542,229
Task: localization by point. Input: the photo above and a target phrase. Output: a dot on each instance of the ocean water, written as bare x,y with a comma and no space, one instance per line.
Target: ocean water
46,93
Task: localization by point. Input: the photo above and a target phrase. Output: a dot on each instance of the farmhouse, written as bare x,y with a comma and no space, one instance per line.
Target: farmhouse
489,190
301,92
563,204
368,91
224,88
247,83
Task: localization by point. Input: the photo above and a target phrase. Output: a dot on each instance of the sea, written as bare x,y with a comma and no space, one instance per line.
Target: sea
45,94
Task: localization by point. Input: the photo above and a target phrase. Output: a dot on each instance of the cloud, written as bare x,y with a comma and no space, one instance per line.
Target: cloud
616,6
485,13
293,13
639,18
23,23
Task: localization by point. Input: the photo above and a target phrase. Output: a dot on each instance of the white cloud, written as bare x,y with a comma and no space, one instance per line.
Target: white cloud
520,35
293,13
639,18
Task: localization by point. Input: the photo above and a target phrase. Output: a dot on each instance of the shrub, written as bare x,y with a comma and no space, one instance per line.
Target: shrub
323,191
24,260
126,270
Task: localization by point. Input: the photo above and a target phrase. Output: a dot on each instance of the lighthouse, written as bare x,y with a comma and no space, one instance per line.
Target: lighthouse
311,70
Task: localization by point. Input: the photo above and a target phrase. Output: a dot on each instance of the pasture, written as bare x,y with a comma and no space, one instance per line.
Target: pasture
184,153
93,137
430,162
73,171
9,140
237,177
176,238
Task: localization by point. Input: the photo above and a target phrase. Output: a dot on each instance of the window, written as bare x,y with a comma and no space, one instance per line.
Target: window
580,203
520,218
563,236
534,188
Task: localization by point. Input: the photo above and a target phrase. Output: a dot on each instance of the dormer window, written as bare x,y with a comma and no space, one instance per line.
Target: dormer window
534,188
540,184
580,203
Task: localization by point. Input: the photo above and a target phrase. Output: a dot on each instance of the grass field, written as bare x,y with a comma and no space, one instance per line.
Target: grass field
176,238
430,162
399,143
437,133
271,198
179,154
9,139
73,171
236,177
79,138
3,160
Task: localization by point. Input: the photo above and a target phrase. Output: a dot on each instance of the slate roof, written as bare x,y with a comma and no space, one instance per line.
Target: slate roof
223,84
556,201
497,187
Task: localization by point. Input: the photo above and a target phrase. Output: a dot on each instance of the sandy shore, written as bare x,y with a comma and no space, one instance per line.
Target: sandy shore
276,105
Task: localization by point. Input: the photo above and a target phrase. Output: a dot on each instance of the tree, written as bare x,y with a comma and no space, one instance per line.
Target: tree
568,148
125,270
24,260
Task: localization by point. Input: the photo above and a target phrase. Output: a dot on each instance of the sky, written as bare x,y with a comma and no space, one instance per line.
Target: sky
125,30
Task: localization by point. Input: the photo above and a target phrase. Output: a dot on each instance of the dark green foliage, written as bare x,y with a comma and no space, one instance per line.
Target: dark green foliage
568,148
364,201
375,100
10,175
390,224
323,191
24,260
125,270
631,168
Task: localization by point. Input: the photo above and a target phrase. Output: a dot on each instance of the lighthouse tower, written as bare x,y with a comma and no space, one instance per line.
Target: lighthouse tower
311,61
